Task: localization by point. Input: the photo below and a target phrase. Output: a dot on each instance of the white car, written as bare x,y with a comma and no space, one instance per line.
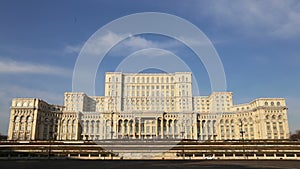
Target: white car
209,157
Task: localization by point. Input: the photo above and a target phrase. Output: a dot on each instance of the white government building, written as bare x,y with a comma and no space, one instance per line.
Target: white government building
148,106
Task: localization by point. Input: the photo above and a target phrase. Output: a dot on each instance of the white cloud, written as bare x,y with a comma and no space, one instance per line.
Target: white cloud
132,43
72,48
273,17
16,67
136,42
94,44
97,44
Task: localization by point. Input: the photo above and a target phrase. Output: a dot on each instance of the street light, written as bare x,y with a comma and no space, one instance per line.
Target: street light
242,134
182,134
215,137
111,134
51,136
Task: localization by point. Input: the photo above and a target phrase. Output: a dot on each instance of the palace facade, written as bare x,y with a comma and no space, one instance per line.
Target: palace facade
148,106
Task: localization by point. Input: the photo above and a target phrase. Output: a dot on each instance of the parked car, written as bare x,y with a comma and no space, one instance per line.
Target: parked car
209,157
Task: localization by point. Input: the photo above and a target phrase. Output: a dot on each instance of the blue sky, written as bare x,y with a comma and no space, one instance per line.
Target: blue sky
258,43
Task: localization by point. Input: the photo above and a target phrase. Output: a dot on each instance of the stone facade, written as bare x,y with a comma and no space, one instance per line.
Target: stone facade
148,106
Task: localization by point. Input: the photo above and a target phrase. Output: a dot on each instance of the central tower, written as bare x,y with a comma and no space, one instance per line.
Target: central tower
168,92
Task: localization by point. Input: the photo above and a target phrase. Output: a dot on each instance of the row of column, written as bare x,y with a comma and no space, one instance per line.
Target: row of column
207,130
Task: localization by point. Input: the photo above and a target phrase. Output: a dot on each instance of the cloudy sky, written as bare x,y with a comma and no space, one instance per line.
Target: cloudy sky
258,43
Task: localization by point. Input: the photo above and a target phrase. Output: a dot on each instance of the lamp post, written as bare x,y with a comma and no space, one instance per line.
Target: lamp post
242,134
112,125
215,137
51,133
111,134
182,136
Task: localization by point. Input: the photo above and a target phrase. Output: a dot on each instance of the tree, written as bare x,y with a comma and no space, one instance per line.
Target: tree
3,137
295,136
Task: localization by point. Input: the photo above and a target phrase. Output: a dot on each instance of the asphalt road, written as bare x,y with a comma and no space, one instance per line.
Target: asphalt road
148,164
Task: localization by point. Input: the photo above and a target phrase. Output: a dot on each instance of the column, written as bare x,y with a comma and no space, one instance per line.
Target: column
167,128
123,128
195,130
210,134
128,128
200,130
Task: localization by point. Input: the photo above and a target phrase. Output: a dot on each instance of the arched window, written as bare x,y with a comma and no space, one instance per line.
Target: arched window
25,104
17,119
278,103
119,126
22,119
175,126
266,103
29,119
250,120
272,103
29,122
